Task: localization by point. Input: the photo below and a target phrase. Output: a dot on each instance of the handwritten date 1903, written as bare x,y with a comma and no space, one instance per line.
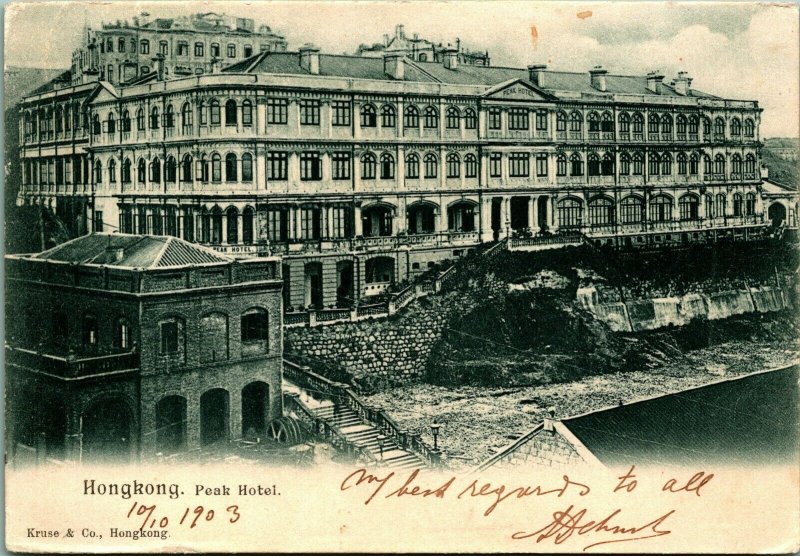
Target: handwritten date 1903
197,515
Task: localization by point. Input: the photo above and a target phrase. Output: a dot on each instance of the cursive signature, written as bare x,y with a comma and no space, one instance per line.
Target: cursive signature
571,521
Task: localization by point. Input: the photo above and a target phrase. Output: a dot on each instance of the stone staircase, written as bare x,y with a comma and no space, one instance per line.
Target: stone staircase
365,435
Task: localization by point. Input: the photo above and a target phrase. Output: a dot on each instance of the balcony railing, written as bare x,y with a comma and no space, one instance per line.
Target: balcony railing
72,366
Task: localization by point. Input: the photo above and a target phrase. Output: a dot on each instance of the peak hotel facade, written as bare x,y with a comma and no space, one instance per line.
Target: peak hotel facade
364,171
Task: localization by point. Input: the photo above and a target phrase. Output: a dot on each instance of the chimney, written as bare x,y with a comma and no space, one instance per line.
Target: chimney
399,31
682,83
764,172
385,40
451,58
654,79
536,74
598,78
394,65
548,421
216,65
159,61
309,59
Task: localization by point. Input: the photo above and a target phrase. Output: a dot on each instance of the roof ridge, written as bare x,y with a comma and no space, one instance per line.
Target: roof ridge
157,258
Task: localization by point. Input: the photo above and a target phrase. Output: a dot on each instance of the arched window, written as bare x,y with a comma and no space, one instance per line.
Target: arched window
653,161
111,124
680,126
247,167
689,207
431,165
666,164
666,124
155,171
170,170
368,116
661,208
708,166
749,128
637,121
624,123
230,112
154,123
125,122
681,164
750,165
186,168
453,166
368,166
736,165
721,205
230,167
719,129
247,113
709,201
141,171
470,119
216,168
706,127
607,165
388,116
169,117
470,166
694,123
594,122
575,121
387,166
112,171
570,213
412,166
594,164
576,163
255,329
98,172
694,163
750,204
737,204
186,118
89,332
625,164
247,225
601,211
122,334
213,112
431,118
216,225
453,117
606,122
719,164
232,217
631,210
411,117
96,127
561,165
140,119
652,123
561,121
126,171
736,127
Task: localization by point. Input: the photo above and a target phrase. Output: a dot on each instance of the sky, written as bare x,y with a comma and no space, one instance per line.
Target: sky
735,50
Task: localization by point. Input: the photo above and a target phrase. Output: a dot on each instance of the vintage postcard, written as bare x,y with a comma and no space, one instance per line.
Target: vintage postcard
369,276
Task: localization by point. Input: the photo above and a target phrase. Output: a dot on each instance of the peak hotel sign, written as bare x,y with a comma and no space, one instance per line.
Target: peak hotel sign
520,92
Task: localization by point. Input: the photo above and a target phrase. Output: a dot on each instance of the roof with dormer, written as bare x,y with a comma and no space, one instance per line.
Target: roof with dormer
132,251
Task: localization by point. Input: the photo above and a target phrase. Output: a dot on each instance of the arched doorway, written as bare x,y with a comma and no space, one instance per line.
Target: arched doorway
376,221
777,214
171,425
255,409
421,218
214,416
461,217
107,429
313,285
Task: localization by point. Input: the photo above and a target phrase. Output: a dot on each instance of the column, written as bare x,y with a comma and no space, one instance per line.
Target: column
532,213
486,219
328,220
260,170
357,231
298,224
400,167
323,222
399,120
551,214
443,227
505,216
357,119
224,233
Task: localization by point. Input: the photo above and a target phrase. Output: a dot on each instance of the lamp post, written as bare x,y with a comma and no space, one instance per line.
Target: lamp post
435,431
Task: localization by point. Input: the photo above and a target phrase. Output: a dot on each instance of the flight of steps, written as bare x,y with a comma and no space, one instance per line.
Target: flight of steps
366,435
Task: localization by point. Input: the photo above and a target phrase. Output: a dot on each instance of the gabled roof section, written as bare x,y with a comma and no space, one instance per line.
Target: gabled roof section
132,251
103,91
517,89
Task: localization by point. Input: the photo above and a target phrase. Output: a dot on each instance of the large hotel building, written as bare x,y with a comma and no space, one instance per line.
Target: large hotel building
363,171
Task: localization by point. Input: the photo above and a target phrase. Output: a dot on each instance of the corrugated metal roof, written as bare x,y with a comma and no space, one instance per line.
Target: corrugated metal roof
132,251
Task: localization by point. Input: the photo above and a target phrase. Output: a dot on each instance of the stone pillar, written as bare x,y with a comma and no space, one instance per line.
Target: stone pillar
505,217
442,227
193,423
486,219
260,125
235,413
532,213
357,230
323,222
224,232
298,224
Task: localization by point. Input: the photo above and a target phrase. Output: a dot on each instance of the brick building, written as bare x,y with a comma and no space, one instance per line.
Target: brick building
741,421
363,171
421,50
131,345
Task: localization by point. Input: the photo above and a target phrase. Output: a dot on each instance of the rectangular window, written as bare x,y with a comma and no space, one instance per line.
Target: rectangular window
121,45
199,49
310,167
277,111
98,221
144,47
278,166
341,166
309,112
340,221
169,338
541,165
518,119
541,121
341,113
495,165
310,223
214,50
518,165
277,220
183,48
231,50
494,119
163,48
254,327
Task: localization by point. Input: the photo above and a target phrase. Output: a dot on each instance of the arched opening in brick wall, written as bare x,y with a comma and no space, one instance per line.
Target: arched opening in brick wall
255,409
171,425
107,427
214,416
777,214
